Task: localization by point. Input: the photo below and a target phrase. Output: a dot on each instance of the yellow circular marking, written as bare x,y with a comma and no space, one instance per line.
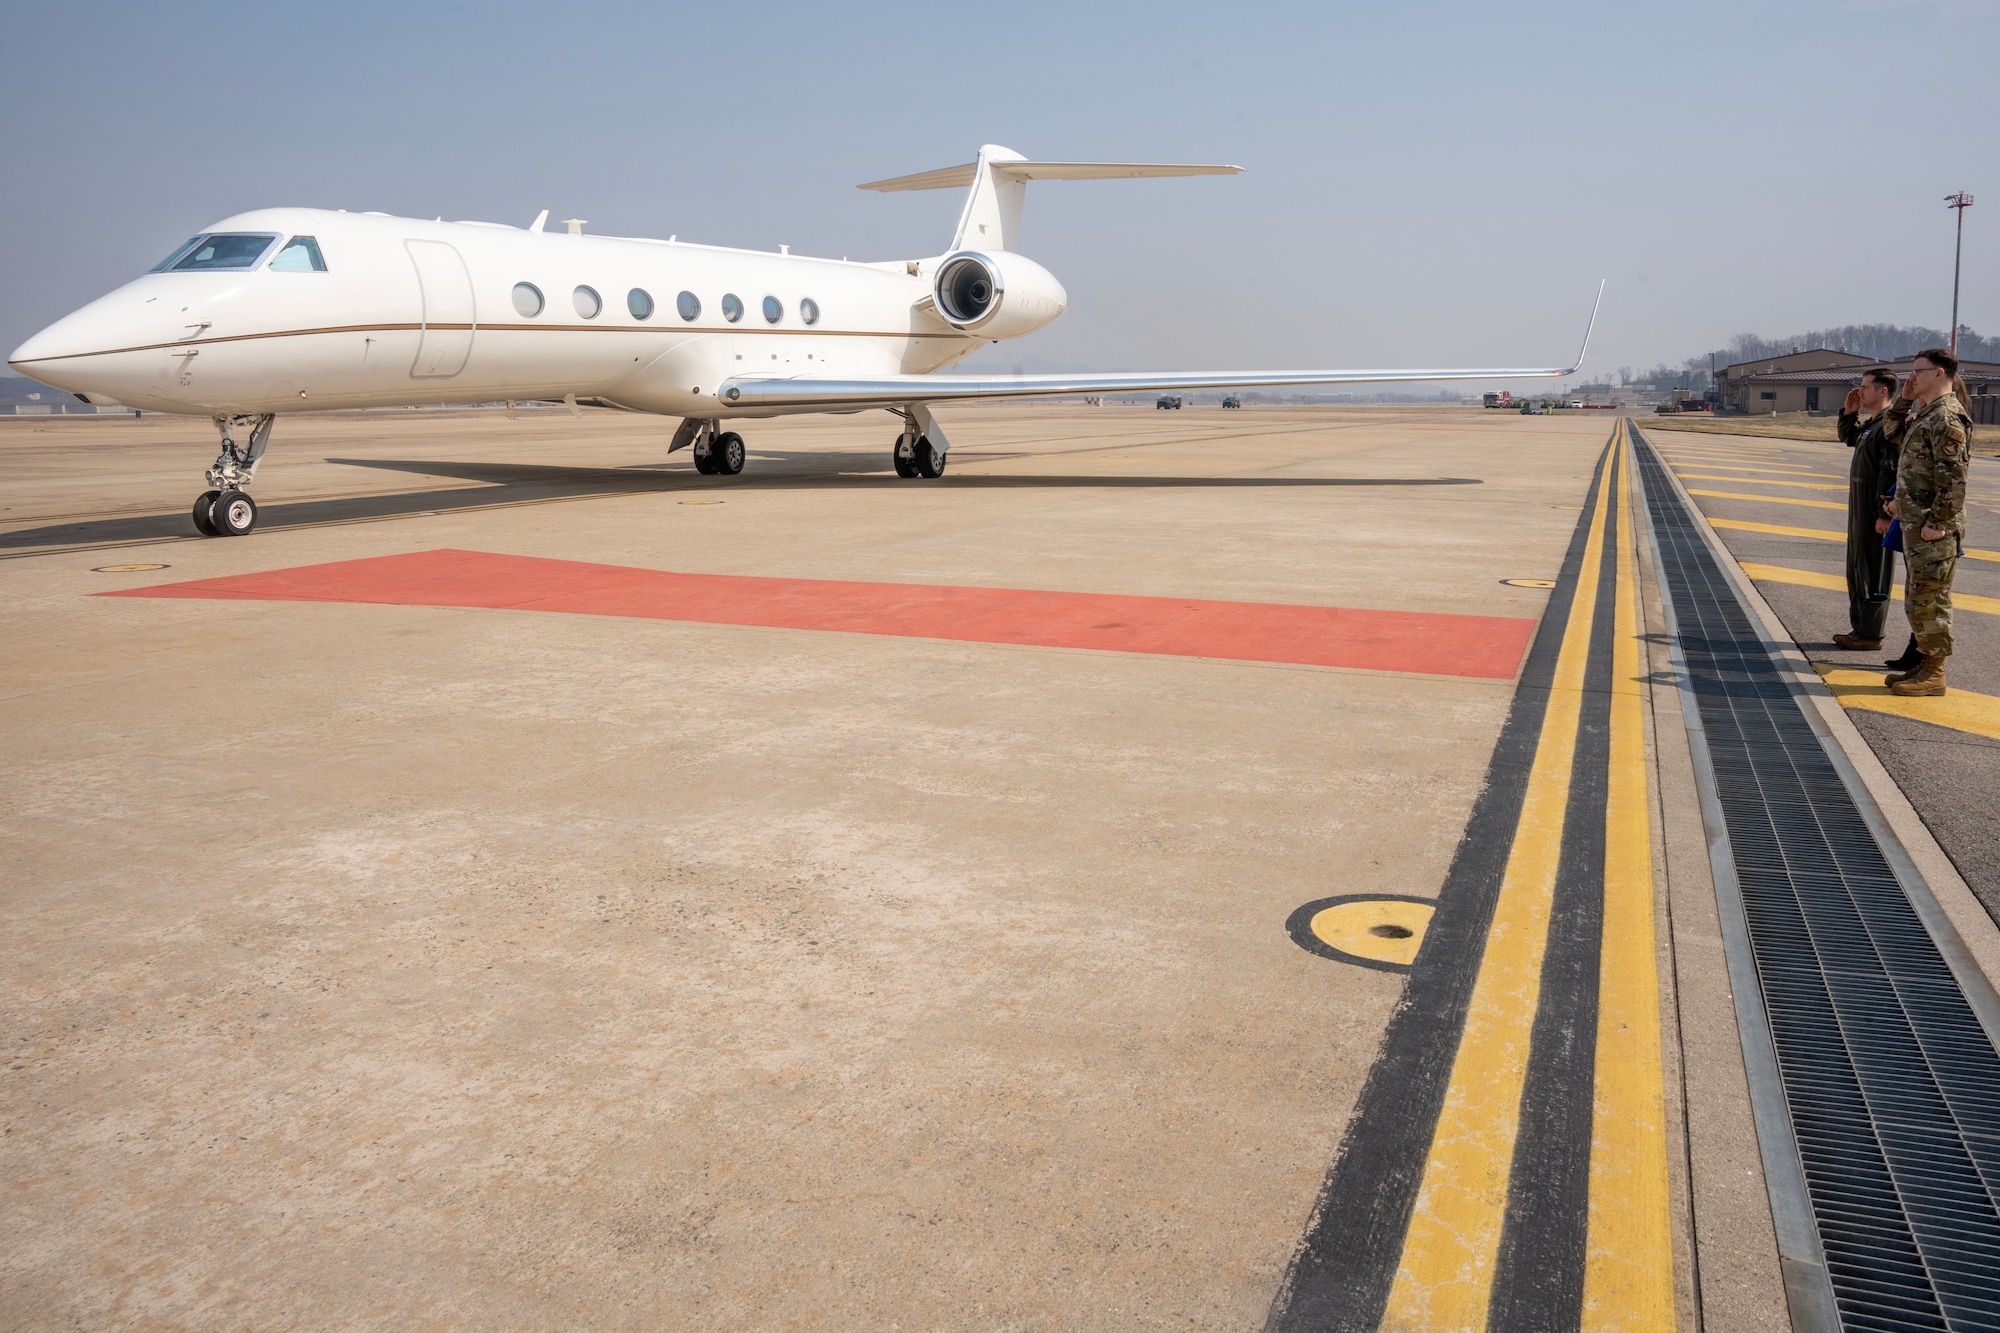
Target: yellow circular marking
1574,509
127,569
1382,930
701,502
1529,583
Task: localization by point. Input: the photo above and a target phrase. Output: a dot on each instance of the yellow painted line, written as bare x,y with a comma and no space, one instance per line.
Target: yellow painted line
1819,534
1628,1276
1445,1277
1715,451
1812,578
1715,460
1777,529
1713,466
1763,481
1768,499
1956,709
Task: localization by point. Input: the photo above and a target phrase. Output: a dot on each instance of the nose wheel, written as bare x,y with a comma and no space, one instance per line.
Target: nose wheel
201,520
226,510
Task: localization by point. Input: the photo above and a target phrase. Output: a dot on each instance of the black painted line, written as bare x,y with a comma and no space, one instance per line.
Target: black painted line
1538,1281
1339,1280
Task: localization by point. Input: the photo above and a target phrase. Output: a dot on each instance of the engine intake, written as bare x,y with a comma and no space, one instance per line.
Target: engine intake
967,289
996,295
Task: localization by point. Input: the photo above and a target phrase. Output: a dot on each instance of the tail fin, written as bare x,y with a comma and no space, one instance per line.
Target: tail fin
992,216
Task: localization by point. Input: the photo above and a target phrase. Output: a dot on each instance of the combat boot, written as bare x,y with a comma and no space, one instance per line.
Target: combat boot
1926,681
1857,643
1908,661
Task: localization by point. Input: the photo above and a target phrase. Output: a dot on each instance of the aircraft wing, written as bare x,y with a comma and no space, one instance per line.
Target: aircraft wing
806,392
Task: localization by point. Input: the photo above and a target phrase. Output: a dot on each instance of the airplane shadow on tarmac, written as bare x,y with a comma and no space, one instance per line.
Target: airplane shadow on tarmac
529,483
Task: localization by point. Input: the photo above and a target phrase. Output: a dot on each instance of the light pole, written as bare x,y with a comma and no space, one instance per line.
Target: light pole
1960,201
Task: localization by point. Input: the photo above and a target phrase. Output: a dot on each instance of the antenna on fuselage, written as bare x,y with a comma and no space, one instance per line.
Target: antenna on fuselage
540,218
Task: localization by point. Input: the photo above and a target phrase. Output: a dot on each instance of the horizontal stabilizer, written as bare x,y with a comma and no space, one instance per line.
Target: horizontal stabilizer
999,178
945,178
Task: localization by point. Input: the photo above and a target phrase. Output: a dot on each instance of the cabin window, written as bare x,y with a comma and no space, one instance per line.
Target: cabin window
732,307
527,300
300,255
809,310
587,302
774,310
640,302
233,250
689,305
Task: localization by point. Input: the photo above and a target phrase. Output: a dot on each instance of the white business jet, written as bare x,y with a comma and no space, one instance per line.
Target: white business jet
290,309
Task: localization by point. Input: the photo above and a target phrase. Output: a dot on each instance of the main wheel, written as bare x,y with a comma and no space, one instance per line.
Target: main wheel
201,519
233,514
726,454
929,461
899,454
704,458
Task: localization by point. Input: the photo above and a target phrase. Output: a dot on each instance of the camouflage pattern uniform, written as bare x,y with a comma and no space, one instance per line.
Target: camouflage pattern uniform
1930,493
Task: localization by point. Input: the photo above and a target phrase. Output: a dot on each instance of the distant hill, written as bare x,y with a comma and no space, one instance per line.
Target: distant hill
1890,342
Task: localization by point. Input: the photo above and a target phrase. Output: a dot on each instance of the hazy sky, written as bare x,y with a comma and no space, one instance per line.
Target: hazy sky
1426,183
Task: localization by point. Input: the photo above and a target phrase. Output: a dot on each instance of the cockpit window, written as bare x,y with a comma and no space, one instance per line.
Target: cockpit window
300,255
225,250
179,250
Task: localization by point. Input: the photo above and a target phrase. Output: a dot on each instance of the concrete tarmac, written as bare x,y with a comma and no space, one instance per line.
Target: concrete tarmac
392,965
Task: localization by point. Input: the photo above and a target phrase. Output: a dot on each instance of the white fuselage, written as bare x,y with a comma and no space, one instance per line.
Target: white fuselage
395,320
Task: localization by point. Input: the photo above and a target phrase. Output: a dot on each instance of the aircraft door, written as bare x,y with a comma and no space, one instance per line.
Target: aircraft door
449,317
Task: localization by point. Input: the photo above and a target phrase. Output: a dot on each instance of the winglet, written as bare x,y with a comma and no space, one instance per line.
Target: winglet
1588,327
541,220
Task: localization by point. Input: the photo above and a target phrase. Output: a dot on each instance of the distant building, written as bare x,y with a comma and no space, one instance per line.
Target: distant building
1818,381
1740,388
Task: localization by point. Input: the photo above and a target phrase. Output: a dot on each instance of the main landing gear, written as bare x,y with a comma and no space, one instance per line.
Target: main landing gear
717,452
226,509
915,454
720,456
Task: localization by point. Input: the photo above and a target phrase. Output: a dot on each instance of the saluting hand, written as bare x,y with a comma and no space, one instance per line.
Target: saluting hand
1853,403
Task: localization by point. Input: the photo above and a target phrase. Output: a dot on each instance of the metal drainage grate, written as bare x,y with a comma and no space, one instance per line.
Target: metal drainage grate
1891,1083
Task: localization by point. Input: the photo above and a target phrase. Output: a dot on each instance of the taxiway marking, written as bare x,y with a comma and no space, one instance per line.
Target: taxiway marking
1452,1247
1772,471
1769,499
1485,647
1629,1268
1811,578
1817,534
1760,481
1506,1163
1955,709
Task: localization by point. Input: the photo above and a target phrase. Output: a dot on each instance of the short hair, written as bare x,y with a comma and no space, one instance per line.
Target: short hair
1941,358
1883,376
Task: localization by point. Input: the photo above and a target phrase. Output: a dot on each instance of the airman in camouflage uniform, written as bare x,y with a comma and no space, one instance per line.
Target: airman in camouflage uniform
1930,504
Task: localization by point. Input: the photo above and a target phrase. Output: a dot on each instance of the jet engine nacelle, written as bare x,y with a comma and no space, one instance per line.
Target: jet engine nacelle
998,295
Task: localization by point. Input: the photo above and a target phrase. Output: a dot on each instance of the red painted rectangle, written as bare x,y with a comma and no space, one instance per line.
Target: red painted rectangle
1482,646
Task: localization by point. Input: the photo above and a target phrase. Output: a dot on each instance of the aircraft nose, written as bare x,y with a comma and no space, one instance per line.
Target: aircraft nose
71,353
79,333
42,347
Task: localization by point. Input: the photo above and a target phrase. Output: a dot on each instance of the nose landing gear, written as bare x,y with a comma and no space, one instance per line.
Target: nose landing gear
227,510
